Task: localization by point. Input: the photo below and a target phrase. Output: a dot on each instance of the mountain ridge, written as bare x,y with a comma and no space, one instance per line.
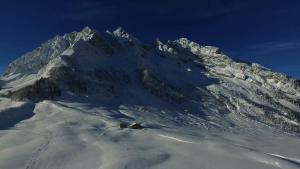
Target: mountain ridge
179,72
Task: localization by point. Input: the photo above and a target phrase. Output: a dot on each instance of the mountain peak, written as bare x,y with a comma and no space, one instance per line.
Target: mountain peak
197,48
121,32
87,32
184,42
120,29
87,29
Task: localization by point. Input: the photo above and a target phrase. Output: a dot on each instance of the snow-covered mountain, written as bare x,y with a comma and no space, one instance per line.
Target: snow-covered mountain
180,72
84,83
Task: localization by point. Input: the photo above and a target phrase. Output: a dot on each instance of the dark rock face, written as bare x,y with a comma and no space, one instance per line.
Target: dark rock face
270,118
69,78
123,125
161,89
1,85
61,73
137,126
99,42
112,76
41,89
77,86
110,80
298,84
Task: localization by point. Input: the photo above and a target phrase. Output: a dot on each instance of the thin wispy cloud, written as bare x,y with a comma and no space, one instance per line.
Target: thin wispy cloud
276,46
168,10
176,10
281,56
90,10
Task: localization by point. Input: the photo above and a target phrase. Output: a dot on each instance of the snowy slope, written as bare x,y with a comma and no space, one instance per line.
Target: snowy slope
201,109
77,135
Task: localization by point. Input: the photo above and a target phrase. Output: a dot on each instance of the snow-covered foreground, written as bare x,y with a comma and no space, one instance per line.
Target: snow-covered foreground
70,135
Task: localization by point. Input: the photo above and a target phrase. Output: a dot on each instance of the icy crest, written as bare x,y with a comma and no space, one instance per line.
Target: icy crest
196,48
121,33
32,62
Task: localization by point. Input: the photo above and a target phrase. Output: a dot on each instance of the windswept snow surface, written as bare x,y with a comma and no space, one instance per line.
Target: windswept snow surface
67,134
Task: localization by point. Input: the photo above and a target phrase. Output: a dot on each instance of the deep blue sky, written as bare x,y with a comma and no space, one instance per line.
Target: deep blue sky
263,31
